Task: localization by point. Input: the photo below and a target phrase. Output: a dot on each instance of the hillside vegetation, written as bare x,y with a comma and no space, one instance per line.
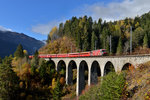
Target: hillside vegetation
88,34
22,78
61,45
128,85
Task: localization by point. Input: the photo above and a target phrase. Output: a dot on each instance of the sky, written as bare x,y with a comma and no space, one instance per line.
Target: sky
36,18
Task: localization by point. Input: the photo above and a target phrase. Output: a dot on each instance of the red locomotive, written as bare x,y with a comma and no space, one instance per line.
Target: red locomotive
99,52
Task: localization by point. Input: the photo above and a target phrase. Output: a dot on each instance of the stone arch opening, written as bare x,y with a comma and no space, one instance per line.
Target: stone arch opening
128,66
61,68
72,72
83,75
52,64
109,67
95,72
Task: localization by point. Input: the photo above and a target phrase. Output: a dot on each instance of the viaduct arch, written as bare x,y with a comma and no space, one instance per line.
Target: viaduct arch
88,69
72,66
95,72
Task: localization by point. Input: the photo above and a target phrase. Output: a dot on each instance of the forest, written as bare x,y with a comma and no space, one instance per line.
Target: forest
87,34
22,78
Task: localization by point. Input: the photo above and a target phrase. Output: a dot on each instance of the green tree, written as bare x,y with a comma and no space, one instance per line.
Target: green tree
103,37
107,45
94,39
138,36
85,39
112,86
61,27
57,91
48,39
67,28
19,52
42,70
7,60
145,41
119,47
99,25
78,39
33,70
8,83
36,58
99,32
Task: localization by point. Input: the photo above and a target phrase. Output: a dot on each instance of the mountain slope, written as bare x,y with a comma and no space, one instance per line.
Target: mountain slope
10,40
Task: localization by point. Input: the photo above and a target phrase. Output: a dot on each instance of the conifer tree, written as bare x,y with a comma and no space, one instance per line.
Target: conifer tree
48,39
93,40
86,43
19,52
145,41
36,58
8,83
57,91
107,45
119,48
78,39
61,27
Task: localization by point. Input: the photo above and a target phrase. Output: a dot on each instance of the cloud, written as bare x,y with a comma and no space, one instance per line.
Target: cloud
44,28
110,11
116,10
5,29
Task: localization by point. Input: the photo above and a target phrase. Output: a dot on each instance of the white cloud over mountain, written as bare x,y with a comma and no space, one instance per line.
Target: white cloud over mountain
5,29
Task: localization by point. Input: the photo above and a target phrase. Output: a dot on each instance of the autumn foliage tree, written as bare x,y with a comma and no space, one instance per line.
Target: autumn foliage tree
61,45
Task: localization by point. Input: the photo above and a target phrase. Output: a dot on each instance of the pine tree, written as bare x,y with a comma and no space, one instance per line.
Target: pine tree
99,25
7,61
138,36
93,39
19,52
8,83
78,39
48,39
107,45
119,48
36,57
86,43
145,41
61,27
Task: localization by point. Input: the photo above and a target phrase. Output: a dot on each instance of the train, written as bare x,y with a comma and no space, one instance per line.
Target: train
99,52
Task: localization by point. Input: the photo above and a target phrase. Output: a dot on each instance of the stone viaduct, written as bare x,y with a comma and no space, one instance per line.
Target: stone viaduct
94,67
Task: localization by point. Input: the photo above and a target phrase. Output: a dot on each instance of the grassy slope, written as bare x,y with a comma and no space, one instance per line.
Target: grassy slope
138,83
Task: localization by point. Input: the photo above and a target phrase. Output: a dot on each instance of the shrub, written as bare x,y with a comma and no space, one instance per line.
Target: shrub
57,91
62,81
111,88
92,93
